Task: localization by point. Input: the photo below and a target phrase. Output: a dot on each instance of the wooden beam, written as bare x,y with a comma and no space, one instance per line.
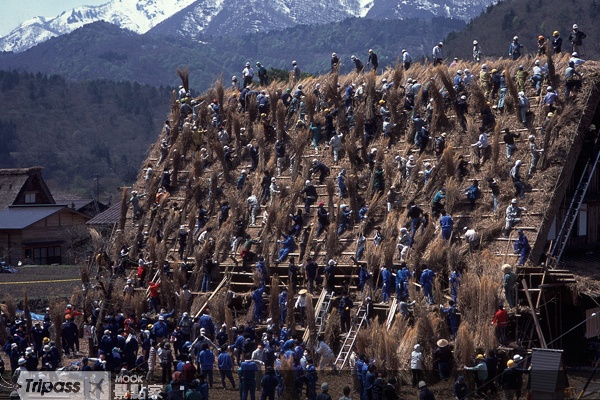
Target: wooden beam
538,328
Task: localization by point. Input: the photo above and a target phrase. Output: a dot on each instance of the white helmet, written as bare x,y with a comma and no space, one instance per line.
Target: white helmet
234,78
244,171
516,38
549,88
459,72
333,55
294,62
247,64
537,62
343,206
484,66
374,150
353,57
273,179
307,183
315,161
331,262
411,158
575,26
466,71
575,54
531,138
475,42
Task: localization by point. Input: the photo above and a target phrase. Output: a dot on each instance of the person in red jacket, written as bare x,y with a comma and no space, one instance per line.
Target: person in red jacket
154,296
501,322
70,311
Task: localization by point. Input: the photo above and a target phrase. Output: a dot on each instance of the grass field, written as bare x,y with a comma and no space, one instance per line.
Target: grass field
43,282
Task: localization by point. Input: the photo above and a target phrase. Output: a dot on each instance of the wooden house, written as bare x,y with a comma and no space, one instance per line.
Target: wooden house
33,227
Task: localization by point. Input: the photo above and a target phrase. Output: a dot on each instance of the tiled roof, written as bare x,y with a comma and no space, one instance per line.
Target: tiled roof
108,217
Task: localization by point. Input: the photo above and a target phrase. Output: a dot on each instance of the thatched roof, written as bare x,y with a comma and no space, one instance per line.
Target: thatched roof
13,180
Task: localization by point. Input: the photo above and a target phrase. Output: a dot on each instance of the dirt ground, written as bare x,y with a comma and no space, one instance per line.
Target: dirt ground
43,282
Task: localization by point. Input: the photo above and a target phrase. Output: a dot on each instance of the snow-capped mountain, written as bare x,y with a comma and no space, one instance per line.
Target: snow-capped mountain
136,15
193,18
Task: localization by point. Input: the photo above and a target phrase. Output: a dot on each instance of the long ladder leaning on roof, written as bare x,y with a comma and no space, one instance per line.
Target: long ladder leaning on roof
571,217
321,310
346,349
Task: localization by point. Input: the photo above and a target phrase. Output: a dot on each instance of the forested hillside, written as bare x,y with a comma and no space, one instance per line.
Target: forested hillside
78,130
495,28
103,51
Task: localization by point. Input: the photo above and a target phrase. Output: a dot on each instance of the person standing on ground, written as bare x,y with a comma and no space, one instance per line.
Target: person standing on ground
501,322
416,364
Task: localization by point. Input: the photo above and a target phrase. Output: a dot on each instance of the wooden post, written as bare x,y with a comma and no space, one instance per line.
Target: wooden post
538,328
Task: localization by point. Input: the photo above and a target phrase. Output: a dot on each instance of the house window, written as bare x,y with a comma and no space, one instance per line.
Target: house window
44,255
29,198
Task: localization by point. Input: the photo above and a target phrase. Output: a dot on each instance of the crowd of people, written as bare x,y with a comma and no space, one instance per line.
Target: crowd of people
189,350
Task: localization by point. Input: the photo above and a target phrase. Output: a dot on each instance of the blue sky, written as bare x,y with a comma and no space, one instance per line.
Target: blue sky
16,11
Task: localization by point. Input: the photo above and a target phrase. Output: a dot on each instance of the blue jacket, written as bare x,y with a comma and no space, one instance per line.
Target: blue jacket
446,222
224,362
206,359
427,277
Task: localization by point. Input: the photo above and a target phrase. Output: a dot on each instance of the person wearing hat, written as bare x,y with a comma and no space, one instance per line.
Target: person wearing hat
438,54
576,38
556,42
295,71
523,106
538,73
436,204
572,79
424,392
443,358
515,174
522,247
485,80
300,305
515,48
481,374
335,62
247,74
322,219
345,218
21,362
262,74
310,194
535,155
513,215
373,60
510,380
417,361
477,51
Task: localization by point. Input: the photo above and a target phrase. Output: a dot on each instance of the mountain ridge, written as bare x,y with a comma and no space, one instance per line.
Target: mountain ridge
190,19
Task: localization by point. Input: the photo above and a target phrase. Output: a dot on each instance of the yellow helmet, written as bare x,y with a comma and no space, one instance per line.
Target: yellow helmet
555,33
541,37
382,102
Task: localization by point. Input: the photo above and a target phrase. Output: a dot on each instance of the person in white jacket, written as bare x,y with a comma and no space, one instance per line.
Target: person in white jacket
326,354
416,364
336,145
